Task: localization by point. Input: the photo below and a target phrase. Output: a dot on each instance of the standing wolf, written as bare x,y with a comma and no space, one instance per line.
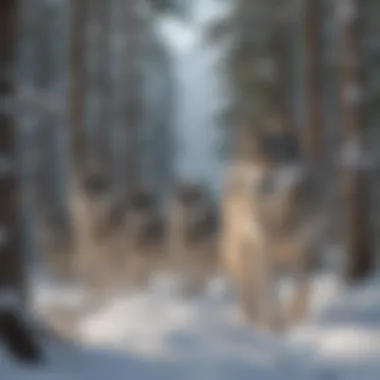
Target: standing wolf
269,224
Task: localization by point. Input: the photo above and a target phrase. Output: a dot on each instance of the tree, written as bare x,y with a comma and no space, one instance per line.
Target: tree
101,87
354,123
12,273
83,182
53,222
14,331
44,77
77,91
132,107
313,133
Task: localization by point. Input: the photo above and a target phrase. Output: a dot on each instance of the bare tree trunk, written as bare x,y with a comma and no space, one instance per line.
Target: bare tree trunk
77,92
46,129
78,89
280,48
12,267
53,225
312,138
313,133
354,118
13,289
100,150
133,95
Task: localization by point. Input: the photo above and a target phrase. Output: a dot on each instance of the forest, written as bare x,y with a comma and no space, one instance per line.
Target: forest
189,189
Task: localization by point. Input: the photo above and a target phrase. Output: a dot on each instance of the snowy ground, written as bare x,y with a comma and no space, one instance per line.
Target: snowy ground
158,335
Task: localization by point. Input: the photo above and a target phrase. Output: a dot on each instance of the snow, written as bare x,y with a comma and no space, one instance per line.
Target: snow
179,35
345,336
66,361
156,334
204,12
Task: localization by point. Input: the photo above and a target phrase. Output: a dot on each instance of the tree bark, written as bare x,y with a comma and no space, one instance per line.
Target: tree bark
133,84
77,91
52,218
313,133
100,148
12,262
44,78
14,332
355,122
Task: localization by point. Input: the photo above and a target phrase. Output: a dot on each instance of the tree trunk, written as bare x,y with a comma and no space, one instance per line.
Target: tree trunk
313,133
14,332
355,122
131,108
100,148
12,268
312,139
77,91
53,223
46,128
